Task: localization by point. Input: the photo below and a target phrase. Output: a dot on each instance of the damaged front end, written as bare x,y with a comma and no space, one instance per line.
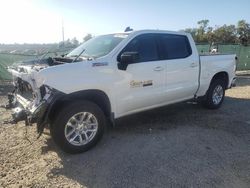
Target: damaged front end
31,102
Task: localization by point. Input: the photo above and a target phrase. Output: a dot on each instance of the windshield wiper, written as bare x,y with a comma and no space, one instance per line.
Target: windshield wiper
77,56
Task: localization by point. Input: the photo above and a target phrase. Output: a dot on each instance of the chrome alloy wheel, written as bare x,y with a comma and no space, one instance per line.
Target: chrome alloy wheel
217,94
81,128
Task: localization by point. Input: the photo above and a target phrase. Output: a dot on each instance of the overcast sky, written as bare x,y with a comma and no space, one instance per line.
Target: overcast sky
40,21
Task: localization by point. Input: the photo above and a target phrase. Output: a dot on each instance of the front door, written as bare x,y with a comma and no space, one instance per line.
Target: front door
142,83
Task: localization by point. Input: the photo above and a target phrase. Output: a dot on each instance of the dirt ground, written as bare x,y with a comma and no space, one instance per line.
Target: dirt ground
182,145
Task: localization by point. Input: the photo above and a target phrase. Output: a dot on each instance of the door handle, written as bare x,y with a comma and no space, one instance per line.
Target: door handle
158,68
193,65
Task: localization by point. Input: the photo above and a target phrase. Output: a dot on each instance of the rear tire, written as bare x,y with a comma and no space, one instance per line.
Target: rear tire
215,95
78,127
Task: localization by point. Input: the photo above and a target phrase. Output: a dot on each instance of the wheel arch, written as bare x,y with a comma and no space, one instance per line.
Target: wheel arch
98,97
222,76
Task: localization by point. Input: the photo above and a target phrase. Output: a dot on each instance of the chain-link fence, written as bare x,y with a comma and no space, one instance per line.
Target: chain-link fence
242,52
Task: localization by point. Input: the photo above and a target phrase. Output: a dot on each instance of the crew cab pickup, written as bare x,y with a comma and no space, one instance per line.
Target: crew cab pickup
112,76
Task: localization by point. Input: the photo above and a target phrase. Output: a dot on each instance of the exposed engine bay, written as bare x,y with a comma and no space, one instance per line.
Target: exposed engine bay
38,64
29,101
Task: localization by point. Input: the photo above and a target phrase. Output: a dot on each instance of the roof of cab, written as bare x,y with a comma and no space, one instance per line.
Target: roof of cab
156,31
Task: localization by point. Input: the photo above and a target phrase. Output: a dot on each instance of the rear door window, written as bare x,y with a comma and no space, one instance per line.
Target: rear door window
174,46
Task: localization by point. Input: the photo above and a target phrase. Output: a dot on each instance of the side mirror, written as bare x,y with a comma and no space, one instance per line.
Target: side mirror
127,58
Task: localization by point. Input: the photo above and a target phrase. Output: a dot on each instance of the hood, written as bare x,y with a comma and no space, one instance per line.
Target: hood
39,64
60,75
29,70
72,76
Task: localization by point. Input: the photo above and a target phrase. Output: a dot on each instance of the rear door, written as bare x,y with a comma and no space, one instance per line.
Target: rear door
182,67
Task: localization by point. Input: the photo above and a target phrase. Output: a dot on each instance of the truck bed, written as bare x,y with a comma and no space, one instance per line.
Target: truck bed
213,63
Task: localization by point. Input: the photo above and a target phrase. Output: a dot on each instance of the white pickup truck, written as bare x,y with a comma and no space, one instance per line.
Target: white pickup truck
114,75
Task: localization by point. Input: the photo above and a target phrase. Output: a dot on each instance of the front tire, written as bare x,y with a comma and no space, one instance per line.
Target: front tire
215,94
78,127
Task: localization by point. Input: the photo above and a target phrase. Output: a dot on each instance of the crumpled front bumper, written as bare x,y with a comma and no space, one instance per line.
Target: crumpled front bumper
23,110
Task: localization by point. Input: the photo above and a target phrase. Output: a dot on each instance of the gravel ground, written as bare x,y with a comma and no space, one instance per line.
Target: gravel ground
181,145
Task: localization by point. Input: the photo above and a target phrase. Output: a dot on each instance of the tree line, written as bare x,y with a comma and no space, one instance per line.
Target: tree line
72,43
226,34
203,33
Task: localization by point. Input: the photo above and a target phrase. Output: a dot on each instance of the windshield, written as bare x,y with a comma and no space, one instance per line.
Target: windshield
98,46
